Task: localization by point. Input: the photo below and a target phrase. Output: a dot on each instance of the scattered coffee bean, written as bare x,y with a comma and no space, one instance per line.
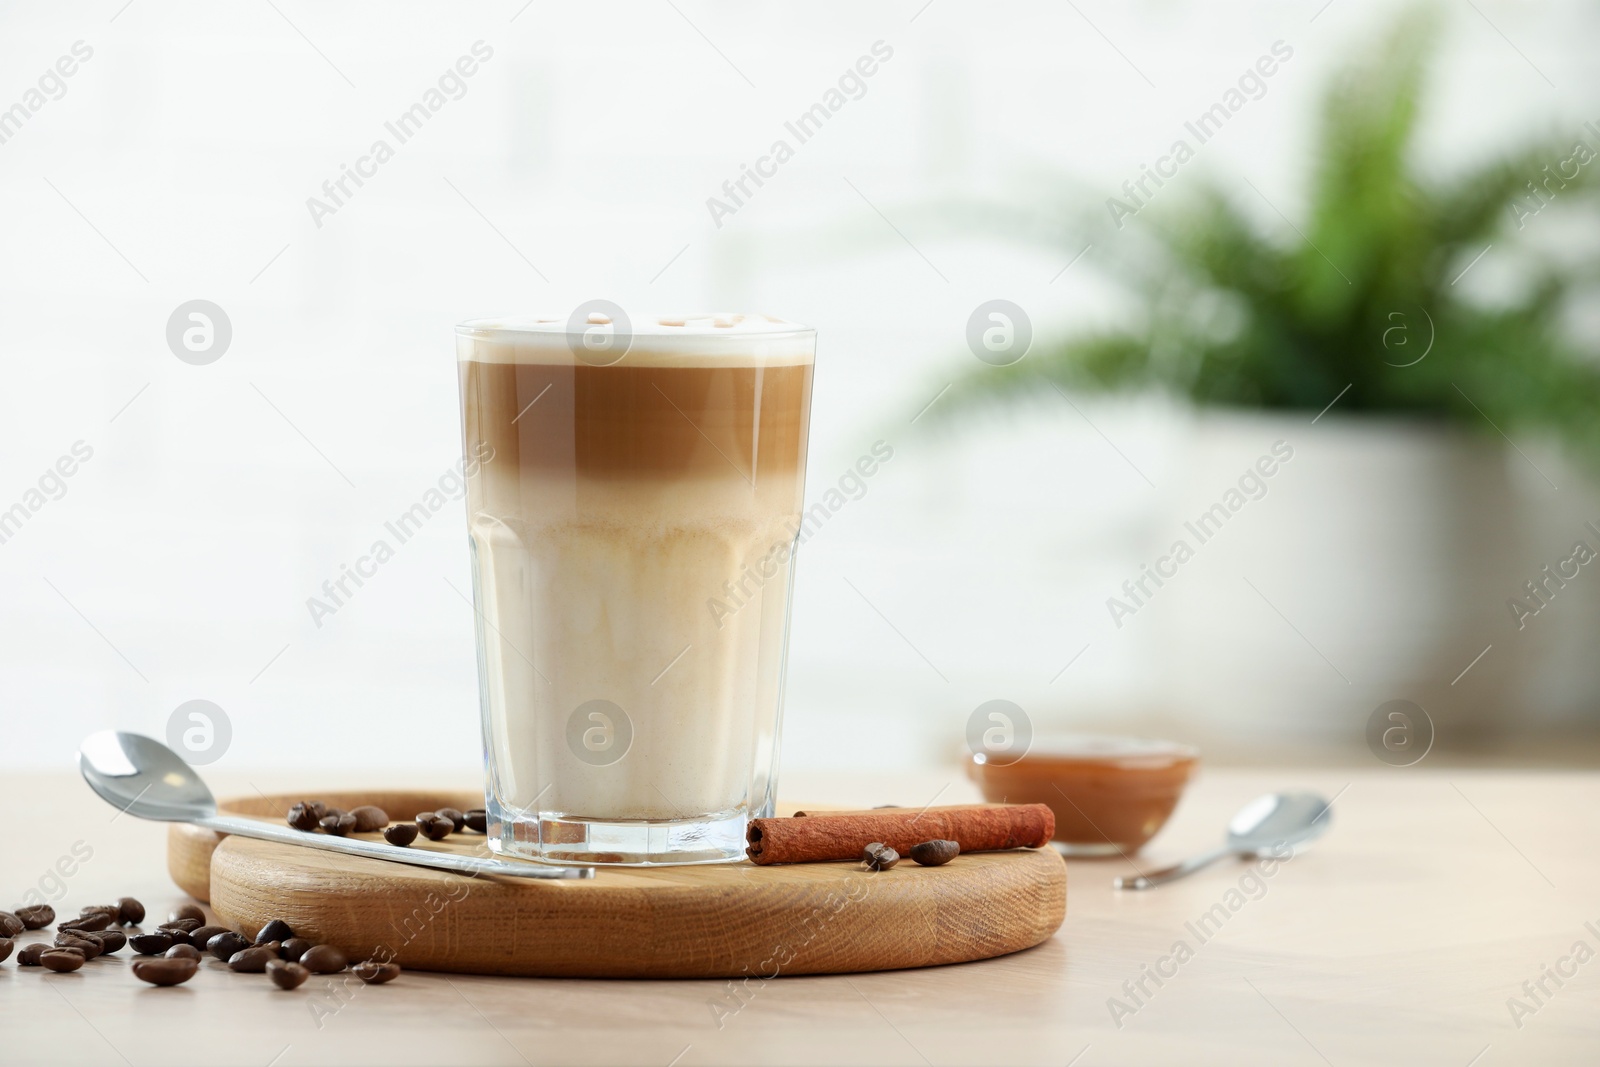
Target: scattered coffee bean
400,833
85,944
435,827
151,944
6,947
935,853
173,970
183,952
202,934
225,944
477,819
95,920
130,912
338,825
286,974
457,818
294,948
188,911
61,960
29,956
879,856
112,940
12,925
369,818
276,930
186,926
323,959
374,973
252,960
303,817
96,909
36,916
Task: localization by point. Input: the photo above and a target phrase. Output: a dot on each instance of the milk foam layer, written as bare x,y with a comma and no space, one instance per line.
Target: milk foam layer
693,340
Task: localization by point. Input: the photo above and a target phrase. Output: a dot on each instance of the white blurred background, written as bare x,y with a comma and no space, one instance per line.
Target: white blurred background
576,165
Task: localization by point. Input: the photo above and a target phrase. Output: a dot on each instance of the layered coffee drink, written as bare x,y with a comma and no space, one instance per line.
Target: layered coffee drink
633,520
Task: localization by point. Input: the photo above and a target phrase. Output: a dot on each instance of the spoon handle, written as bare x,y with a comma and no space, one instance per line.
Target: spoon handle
1162,875
444,861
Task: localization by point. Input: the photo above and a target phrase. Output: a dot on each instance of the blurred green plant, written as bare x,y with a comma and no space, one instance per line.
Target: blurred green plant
1359,290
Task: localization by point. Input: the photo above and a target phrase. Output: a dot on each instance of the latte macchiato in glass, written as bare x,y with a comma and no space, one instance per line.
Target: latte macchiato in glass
633,517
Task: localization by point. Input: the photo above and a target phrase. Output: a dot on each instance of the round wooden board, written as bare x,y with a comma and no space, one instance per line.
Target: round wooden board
714,921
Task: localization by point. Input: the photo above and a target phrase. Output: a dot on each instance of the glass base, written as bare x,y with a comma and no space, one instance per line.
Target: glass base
555,837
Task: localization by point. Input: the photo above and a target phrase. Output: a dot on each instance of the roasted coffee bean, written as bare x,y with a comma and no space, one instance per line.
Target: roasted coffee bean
187,911
12,925
29,956
879,856
183,952
457,818
338,825
276,930
935,853
303,817
89,946
252,960
61,960
186,926
369,817
165,970
95,920
400,833
129,911
435,827
112,940
374,973
294,948
36,916
286,974
151,944
200,935
477,819
323,959
225,944
96,909
7,946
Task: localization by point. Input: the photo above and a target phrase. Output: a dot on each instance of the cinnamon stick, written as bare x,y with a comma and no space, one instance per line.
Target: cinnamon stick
842,835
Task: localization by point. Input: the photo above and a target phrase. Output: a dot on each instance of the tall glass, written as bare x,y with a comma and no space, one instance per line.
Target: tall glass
634,499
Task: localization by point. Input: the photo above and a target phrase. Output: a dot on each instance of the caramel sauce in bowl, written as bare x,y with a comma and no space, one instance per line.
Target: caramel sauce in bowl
1110,794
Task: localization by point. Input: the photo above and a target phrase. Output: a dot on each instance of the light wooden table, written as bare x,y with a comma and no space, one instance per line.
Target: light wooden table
1400,938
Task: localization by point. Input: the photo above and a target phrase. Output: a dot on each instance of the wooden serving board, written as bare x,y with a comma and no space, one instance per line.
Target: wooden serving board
714,921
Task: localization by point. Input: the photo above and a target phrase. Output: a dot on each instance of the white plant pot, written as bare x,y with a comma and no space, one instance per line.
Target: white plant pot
1377,565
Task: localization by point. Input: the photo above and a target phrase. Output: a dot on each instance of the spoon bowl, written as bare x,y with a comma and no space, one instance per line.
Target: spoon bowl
1276,819
1266,825
144,778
